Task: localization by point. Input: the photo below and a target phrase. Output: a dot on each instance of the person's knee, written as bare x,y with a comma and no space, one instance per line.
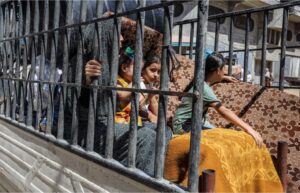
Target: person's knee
146,135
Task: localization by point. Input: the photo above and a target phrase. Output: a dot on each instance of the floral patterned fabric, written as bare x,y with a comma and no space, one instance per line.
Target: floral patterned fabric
275,114
152,38
181,77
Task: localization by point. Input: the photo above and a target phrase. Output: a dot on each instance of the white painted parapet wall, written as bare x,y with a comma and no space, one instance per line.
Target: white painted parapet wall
30,164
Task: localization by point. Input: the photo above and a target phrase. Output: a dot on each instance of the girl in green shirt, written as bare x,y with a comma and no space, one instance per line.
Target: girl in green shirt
214,72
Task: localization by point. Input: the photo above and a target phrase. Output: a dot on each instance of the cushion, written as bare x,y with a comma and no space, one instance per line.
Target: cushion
274,114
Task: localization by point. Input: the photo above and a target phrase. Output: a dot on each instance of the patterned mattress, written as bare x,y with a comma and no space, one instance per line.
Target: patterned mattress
275,114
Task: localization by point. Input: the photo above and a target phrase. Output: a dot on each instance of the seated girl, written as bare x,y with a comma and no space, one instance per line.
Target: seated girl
146,134
213,73
241,163
147,102
150,76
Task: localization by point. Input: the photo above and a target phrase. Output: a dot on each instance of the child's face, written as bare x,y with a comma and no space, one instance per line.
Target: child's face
127,72
151,73
219,74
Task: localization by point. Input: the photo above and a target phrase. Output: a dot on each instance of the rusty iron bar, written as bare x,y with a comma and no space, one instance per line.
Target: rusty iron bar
282,153
207,181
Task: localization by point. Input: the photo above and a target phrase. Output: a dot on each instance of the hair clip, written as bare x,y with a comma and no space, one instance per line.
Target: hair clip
129,52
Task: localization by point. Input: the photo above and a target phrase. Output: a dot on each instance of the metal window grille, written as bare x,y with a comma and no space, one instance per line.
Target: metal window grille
38,37
267,13
31,28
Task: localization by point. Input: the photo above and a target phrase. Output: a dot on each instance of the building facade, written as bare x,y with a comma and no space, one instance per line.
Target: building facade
292,68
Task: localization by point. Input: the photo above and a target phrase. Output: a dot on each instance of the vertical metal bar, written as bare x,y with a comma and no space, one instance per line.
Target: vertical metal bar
22,70
138,59
13,67
5,86
28,71
44,48
19,31
1,24
16,65
180,40
113,82
230,46
217,34
163,100
6,63
2,81
10,82
283,46
67,35
246,53
191,40
282,153
6,20
36,95
194,156
54,44
1,59
93,93
207,183
78,77
264,49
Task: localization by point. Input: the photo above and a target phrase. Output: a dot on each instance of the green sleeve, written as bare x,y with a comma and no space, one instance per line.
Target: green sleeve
184,111
209,95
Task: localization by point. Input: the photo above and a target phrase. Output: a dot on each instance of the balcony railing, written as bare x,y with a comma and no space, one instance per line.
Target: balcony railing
46,30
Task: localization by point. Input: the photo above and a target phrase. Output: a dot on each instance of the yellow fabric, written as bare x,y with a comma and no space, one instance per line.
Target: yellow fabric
239,164
123,107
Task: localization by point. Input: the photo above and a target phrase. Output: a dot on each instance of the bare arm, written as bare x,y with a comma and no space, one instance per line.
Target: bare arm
153,104
233,118
229,79
124,95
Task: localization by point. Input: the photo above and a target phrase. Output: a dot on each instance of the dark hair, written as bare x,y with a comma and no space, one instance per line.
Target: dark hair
213,62
124,60
150,60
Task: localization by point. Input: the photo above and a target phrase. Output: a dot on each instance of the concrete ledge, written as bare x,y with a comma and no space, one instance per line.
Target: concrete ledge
28,163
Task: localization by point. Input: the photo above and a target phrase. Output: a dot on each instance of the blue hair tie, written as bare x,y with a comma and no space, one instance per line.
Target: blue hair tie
208,53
